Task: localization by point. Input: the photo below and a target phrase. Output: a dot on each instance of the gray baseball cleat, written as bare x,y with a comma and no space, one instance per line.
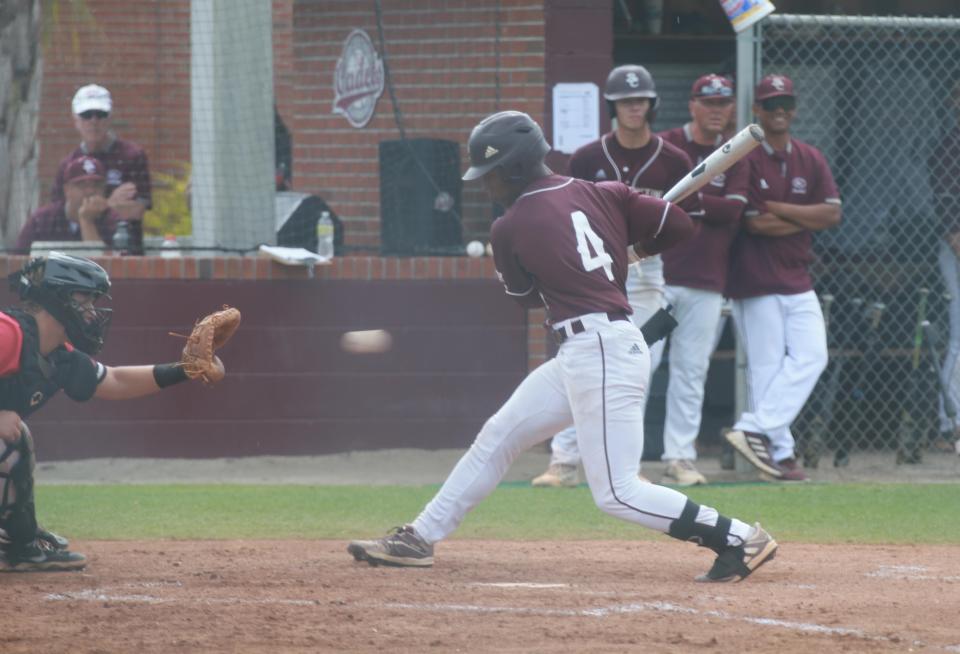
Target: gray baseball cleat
401,547
736,563
756,449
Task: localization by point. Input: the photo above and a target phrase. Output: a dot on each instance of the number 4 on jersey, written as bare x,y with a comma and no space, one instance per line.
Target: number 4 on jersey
584,234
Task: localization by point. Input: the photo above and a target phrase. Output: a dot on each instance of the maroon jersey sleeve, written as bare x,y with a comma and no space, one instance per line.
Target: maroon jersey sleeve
825,188
517,282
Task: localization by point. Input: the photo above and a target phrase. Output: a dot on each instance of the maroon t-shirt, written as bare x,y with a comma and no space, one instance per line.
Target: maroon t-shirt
124,161
50,223
779,265
944,167
563,243
702,261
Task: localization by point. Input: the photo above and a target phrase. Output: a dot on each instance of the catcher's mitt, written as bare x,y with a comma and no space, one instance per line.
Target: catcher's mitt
208,335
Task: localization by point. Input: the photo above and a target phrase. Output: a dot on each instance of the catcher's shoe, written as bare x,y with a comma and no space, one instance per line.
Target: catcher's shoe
736,563
50,540
682,472
756,449
557,475
400,547
35,557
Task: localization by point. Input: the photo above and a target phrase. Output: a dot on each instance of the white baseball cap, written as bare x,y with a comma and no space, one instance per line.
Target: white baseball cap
93,97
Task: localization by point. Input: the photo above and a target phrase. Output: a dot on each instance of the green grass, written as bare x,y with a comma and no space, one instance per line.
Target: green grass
820,513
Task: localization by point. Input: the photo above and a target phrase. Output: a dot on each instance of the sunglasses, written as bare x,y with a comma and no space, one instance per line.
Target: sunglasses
785,102
94,113
715,91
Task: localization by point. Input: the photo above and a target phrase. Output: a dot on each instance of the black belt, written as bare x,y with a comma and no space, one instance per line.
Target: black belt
577,326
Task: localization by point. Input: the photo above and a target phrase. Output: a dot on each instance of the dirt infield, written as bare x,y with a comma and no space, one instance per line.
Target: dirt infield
483,596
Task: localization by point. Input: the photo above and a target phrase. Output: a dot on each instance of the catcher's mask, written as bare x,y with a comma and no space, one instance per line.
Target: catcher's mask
631,81
510,140
52,282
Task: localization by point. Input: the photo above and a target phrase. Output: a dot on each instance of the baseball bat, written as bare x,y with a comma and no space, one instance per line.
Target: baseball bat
909,440
859,394
722,158
934,343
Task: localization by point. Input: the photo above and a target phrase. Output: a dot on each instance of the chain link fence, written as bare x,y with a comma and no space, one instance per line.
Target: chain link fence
876,96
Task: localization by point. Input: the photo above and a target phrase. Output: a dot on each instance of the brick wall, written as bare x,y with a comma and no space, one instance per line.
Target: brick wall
442,56
357,268
452,62
138,50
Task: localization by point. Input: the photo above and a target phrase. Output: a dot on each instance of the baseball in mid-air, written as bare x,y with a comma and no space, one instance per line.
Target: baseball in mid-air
475,249
368,341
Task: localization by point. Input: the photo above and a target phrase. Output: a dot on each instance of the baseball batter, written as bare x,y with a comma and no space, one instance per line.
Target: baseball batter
777,314
631,154
46,346
696,273
562,245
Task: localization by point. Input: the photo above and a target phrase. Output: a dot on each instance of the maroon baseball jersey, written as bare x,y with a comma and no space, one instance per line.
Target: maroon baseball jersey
779,265
125,161
563,243
652,169
50,223
702,261
944,167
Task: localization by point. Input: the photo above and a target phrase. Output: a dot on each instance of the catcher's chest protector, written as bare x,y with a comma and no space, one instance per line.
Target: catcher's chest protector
29,389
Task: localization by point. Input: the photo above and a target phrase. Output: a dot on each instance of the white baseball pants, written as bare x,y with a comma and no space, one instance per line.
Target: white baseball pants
950,269
645,294
692,342
597,381
786,346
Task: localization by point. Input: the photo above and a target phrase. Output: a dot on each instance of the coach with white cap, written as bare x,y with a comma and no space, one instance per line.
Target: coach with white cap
125,162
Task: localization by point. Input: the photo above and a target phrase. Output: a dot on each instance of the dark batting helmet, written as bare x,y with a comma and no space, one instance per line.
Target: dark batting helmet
51,281
631,81
511,140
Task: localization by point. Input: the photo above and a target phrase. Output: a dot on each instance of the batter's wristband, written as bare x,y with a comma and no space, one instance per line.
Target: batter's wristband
168,374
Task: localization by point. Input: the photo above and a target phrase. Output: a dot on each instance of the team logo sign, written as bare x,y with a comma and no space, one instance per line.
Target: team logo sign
798,185
89,166
633,80
358,80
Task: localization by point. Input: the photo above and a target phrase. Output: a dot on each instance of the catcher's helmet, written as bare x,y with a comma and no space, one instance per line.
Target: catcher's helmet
51,281
511,140
631,81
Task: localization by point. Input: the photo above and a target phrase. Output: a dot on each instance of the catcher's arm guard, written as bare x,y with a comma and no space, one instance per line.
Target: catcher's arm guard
209,335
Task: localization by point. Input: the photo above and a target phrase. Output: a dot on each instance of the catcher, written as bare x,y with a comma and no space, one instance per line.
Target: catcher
47,345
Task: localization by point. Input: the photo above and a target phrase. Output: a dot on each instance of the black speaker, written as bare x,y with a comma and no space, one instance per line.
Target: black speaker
420,197
296,221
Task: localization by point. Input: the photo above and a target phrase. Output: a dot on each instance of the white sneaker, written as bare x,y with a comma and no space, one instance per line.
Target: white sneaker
682,472
557,475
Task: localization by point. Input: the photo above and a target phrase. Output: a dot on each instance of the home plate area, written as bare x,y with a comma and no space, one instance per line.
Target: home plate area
481,596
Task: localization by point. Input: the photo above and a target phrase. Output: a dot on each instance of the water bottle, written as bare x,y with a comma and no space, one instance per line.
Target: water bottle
325,235
169,249
121,237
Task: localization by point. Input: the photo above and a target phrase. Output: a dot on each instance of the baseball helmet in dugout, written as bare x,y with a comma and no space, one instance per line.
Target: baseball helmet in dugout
51,281
631,81
511,140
